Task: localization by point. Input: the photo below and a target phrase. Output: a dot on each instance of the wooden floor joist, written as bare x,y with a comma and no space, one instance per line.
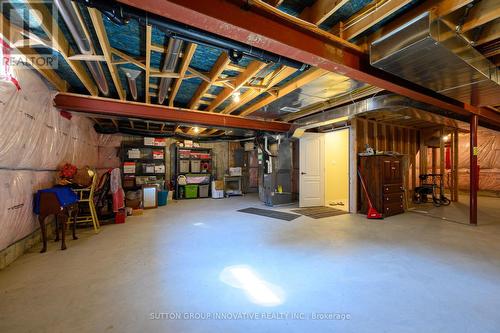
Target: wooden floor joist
52,30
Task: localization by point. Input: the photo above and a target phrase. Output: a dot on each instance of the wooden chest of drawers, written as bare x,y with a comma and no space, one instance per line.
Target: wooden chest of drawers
383,176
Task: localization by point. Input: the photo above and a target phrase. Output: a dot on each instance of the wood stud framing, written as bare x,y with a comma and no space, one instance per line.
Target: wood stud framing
96,18
52,30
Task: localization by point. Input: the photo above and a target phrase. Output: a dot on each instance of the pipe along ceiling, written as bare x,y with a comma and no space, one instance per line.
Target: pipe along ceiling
121,14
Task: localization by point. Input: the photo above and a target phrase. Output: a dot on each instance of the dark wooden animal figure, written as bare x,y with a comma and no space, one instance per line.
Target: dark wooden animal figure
49,205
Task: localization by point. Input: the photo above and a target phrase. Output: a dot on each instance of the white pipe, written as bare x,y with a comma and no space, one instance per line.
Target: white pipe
269,160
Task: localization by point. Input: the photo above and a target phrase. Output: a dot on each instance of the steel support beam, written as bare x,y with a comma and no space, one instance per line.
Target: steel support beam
233,19
474,172
115,108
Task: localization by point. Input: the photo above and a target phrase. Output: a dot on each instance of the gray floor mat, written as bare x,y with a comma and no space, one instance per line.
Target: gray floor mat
319,212
270,213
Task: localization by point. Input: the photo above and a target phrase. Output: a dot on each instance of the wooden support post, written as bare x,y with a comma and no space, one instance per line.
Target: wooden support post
414,160
393,139
384,142
375,135
434,160
423,155
474,174
455,164
365,132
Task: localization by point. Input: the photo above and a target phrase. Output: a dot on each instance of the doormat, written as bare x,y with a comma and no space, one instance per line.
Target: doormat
319,212
270,213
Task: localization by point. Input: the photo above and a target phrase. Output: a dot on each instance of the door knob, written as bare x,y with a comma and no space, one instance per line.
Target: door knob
302,173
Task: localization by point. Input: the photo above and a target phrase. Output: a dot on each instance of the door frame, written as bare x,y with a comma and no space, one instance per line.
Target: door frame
350,156
321,166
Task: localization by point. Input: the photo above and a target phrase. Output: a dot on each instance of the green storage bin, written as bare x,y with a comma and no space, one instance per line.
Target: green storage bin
191,191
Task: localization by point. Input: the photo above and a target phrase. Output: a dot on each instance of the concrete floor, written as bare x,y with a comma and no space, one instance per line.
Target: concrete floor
408,273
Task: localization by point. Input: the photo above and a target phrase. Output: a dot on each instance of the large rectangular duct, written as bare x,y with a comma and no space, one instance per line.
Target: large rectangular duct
429,53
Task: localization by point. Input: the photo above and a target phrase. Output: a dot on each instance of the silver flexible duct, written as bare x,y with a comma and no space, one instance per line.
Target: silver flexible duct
170,65
71,17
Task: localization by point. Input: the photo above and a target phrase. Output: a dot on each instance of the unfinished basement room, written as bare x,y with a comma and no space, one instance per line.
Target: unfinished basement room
208,166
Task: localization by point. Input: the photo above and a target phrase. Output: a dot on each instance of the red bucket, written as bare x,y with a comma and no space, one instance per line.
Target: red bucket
120,216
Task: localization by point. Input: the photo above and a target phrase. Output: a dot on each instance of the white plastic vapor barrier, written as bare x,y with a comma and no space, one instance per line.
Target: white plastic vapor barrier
34,140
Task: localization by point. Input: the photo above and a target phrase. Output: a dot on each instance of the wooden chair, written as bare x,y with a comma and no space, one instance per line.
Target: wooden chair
87,212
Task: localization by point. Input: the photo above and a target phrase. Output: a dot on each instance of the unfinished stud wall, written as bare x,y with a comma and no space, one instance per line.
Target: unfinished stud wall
385,137
34,140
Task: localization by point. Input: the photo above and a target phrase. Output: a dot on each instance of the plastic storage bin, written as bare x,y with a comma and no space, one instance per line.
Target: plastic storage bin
183,166
191,191
195,166
203,191
162,197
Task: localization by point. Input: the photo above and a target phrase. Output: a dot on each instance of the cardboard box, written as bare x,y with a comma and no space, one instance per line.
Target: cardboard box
134,153
129,167
158,154
160,168
149,141
160,142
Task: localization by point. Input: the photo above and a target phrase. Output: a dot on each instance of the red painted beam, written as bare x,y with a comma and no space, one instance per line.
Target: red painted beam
255,27
474,172
115,108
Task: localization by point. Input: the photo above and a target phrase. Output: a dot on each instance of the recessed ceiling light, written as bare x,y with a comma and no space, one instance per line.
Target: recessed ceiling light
236,96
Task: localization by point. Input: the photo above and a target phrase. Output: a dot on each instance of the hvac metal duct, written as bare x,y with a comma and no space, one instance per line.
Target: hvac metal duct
388,103
72,18
429,53
132,75
170,65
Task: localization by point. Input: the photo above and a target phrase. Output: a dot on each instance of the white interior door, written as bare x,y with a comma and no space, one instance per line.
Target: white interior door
312,170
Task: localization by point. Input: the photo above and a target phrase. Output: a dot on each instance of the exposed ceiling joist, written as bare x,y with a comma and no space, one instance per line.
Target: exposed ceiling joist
253,68
186,60
275,3
148,63
269,81
490,32
440,8
52,30
128,58
158,48
321,10
49,74
374,15
275,34
308,26
114,108
301,80
199,74
481,13
102,36
216,70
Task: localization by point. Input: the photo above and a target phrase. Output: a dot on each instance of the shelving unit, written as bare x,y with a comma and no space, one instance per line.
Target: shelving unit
196,164
141,157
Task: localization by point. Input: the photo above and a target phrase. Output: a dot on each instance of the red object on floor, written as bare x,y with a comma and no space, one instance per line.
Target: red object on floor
120,216
372,212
